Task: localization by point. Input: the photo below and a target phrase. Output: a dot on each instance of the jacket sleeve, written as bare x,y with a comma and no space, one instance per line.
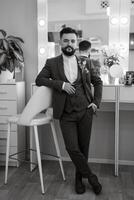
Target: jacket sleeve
46,78
97,84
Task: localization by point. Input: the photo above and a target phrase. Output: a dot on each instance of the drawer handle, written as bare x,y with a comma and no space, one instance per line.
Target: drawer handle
3,108
3,139
3,92
2,154
3,123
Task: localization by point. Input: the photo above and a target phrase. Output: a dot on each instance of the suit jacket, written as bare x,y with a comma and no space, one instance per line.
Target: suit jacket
52,75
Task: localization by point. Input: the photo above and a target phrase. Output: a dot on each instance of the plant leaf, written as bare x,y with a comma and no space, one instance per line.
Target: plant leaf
18,64
18,56
10,65
2,51
3,68
11,37
2,58
3,32
1,43
5,44
14,45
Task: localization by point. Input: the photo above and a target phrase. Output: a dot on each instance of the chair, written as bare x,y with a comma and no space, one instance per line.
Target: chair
33,117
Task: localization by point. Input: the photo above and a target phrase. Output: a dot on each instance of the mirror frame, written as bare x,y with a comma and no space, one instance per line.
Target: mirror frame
115,6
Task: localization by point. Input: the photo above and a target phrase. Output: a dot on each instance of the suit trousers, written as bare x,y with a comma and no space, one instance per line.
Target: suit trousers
76,131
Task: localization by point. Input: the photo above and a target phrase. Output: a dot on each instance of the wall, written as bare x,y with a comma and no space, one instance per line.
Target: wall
68,10
18,17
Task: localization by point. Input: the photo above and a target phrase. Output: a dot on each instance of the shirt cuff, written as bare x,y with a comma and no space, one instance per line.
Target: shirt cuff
63,85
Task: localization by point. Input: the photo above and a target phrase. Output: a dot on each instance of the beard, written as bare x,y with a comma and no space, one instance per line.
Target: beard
68,50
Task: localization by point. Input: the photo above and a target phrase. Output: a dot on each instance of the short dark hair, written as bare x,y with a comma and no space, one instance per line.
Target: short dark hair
84,45
68,30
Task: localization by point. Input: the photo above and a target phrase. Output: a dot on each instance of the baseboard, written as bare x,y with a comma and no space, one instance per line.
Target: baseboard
95,160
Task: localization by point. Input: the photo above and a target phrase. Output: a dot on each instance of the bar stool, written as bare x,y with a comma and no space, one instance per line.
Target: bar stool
33,117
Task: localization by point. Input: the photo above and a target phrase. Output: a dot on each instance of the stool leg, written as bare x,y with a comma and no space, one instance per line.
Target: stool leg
57,149
7,151
39,158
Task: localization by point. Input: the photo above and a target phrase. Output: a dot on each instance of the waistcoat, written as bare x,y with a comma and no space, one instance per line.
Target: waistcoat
77,101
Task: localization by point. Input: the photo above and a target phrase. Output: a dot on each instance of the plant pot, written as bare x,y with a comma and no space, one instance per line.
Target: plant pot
6,76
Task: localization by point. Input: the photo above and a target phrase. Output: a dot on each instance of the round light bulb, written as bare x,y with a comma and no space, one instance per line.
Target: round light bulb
114,20
41,22
124,20
108,11
132,42
42,50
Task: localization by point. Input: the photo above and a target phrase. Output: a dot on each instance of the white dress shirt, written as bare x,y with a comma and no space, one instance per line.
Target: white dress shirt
70,68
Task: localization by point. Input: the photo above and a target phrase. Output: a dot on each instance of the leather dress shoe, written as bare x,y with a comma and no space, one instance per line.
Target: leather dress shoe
93,180
79,186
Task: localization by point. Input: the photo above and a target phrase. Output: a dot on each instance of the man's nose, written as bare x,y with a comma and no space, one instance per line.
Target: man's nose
69,43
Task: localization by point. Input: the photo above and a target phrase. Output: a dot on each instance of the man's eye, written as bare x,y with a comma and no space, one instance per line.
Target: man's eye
65,40
73,41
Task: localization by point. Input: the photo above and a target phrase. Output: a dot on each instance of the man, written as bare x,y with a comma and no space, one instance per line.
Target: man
84,51
73,105
85,48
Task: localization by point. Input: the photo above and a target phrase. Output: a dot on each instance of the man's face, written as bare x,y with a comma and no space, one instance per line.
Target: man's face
68,43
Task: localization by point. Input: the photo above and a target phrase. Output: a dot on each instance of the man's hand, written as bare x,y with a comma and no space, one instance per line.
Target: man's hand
94,107
68,87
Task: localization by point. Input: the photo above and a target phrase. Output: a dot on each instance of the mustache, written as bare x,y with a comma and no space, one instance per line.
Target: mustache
69,48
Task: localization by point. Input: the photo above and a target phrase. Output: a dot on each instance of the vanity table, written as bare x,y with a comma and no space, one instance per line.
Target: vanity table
12,101
111,94
121,95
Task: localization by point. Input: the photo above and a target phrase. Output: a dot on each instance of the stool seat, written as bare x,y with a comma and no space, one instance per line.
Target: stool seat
39,119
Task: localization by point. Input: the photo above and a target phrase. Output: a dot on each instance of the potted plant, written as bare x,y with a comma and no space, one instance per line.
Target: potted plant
11,53
111,58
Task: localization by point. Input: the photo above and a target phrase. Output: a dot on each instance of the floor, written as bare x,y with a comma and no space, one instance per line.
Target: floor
25,185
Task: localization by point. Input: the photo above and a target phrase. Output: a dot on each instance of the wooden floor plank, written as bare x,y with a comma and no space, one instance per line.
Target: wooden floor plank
25,185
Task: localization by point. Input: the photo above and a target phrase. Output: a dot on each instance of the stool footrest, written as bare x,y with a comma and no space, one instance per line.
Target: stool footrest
22,160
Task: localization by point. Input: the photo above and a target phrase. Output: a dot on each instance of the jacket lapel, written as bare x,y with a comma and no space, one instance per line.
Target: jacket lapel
86,84
60,66
83,74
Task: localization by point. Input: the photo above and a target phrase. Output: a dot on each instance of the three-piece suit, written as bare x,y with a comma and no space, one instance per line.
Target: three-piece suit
72,110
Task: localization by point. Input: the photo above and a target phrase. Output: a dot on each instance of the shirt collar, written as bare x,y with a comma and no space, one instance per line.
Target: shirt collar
83,55
68,58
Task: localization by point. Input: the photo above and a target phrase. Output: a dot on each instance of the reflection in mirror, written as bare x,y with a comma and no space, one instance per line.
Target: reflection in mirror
89,25
91,22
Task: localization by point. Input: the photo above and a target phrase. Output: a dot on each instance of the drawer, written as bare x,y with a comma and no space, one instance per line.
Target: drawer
127,94
3,142
8,107
3,124
8,92
3,152
3,138
108,93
